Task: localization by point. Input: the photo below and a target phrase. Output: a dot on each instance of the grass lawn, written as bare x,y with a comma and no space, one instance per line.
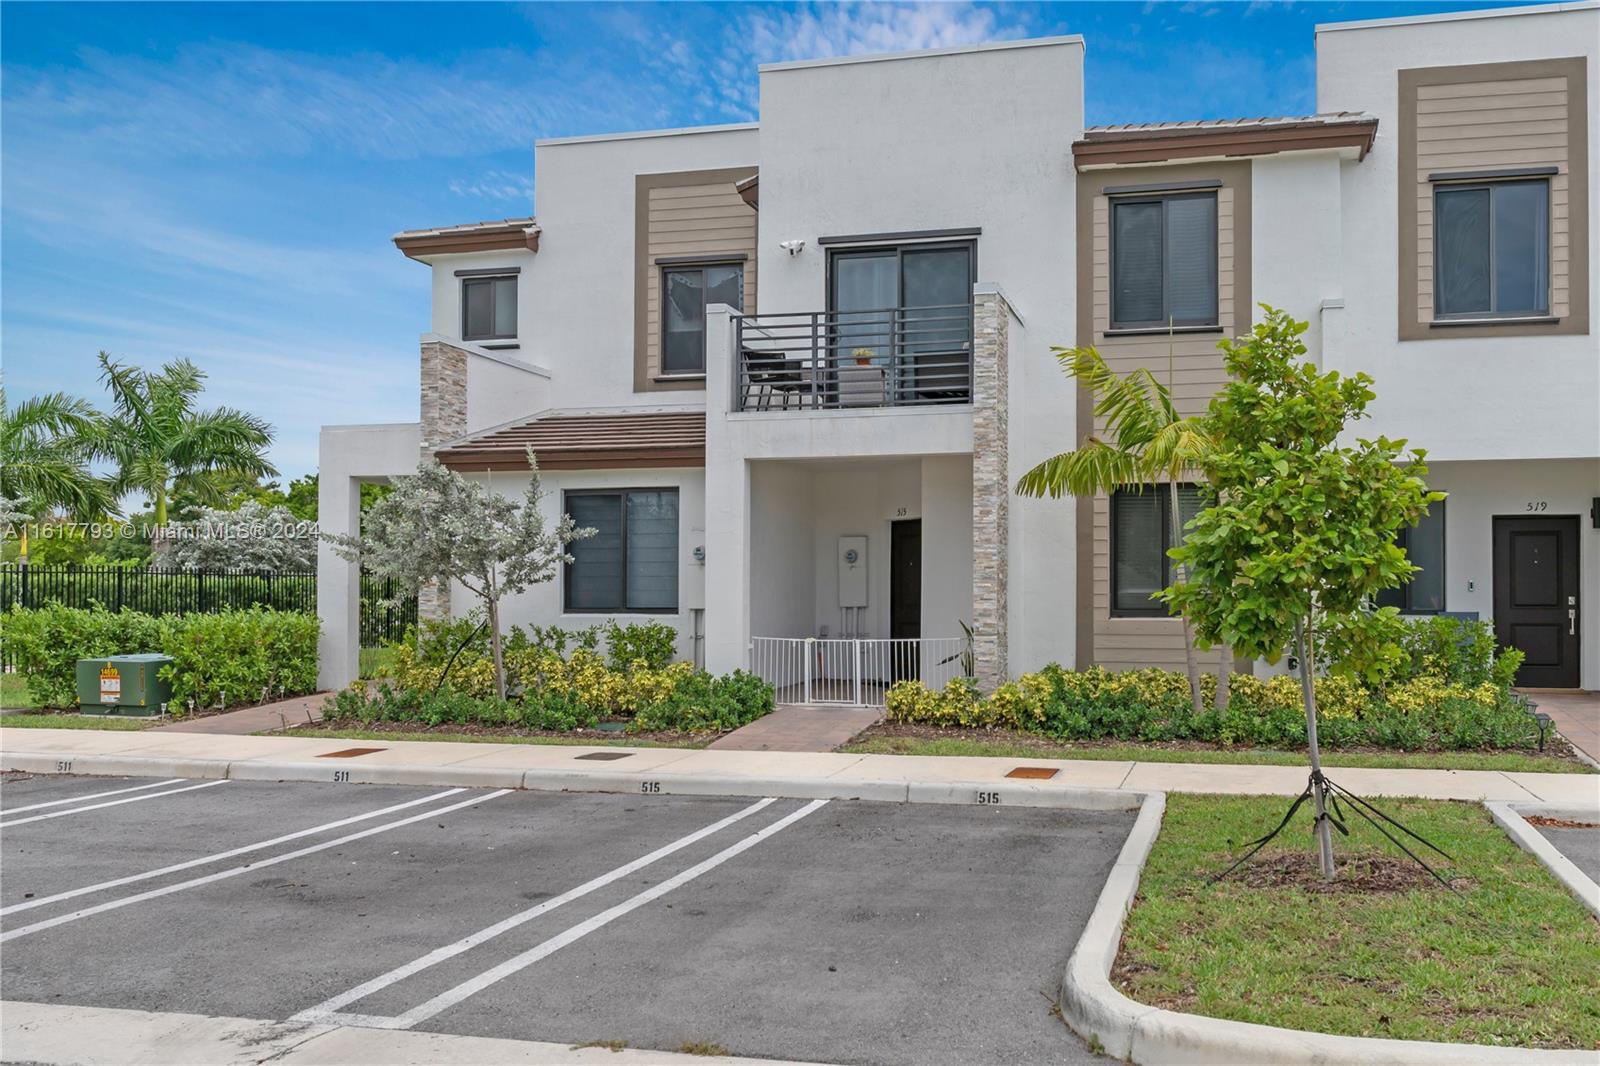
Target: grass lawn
14,692
377,662
618,740
74,721
1030,747
1513,959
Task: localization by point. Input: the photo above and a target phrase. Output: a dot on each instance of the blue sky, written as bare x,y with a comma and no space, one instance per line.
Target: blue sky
220,181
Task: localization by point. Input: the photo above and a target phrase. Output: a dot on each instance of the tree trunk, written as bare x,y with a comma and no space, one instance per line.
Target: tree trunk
1191,663
492,602
161,507
1224,672
1302,639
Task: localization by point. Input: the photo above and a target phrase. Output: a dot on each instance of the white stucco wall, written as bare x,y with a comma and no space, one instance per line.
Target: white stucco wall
1296,260
1461,398
578,292
347,456
965,138
542,604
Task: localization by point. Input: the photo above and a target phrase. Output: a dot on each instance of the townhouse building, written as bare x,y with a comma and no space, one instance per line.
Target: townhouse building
791,370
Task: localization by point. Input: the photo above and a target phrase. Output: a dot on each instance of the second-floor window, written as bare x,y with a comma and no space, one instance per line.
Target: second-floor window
489,308
686,292
1492,249
1164,261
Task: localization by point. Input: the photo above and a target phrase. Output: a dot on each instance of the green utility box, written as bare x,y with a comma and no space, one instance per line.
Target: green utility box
123,684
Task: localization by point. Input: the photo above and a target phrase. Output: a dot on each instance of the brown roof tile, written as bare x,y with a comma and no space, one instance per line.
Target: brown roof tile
585,442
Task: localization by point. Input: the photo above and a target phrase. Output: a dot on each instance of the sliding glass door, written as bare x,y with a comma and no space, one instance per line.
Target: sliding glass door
908,309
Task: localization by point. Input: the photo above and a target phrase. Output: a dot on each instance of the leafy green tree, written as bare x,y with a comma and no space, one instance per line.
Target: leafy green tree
1146,441
1298,523
45,447
435,525
162,444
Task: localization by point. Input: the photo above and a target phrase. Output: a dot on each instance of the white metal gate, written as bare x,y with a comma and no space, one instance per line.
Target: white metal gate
852,672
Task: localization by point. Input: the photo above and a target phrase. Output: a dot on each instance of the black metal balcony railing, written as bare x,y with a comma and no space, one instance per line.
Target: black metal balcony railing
827,360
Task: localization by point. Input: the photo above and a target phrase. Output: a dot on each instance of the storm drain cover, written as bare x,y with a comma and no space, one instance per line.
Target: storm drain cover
1034,773
349,753
605,756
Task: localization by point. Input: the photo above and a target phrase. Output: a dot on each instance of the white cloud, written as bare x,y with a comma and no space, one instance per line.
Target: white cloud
496,185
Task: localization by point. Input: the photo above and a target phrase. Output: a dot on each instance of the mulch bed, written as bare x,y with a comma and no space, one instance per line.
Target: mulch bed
596,735
1358,874
1555,747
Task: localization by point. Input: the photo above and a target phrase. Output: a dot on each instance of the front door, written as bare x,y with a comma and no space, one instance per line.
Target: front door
905,579
1536,597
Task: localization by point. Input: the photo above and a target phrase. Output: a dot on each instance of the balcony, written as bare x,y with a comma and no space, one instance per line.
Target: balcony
843,360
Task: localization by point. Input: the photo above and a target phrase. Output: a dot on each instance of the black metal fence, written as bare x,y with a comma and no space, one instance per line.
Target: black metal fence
199,592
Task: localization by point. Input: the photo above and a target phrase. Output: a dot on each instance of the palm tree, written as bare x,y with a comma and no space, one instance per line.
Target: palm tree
1147,440
45,446
160,442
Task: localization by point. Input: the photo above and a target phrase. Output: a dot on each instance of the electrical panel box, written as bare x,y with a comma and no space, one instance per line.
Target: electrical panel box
123,684
852,571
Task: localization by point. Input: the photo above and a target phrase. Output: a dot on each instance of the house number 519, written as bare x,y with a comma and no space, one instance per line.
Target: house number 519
1538,505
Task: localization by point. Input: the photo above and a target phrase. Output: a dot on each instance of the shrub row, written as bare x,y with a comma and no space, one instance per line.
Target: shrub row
677,699
442,674
1154,705
221,659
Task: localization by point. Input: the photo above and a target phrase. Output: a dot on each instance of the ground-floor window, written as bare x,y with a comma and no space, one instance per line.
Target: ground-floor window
1424,545
631,563
1141,535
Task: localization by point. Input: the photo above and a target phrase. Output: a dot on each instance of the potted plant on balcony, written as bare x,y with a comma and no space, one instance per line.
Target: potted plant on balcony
863,356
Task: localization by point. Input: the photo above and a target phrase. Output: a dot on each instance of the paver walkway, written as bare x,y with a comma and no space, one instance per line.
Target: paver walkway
1576,715
284,714
800,727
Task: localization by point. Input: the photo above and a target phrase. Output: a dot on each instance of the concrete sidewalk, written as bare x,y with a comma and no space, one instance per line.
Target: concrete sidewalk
682,771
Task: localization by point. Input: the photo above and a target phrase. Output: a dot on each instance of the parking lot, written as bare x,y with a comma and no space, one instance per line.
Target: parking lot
834,931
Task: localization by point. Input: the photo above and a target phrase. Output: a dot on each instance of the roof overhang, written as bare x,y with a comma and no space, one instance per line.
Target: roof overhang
587,441
511,233
1107,148
749,190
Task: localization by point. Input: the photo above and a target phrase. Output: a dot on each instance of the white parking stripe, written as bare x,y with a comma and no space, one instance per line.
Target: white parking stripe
438,955
8,811
445,1000
109,803
249,867
219,856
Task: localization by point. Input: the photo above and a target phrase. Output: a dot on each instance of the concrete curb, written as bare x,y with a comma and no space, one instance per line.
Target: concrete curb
992,793
1151,1036
1509,816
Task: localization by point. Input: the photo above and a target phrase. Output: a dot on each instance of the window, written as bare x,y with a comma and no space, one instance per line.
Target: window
1164,261
933,283
631,563
489,308
1424,545
1141,534
685,292
1492,250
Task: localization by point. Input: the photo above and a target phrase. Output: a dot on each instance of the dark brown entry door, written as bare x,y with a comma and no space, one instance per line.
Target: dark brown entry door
1536,597
905,578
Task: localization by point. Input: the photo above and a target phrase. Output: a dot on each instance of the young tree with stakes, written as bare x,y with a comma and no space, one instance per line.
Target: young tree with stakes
1297,523
437,526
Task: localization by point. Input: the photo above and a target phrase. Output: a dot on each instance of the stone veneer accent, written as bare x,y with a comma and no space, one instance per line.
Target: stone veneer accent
444,417
991,487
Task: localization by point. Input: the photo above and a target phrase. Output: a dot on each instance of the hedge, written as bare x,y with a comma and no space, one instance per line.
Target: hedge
222,659
442,674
